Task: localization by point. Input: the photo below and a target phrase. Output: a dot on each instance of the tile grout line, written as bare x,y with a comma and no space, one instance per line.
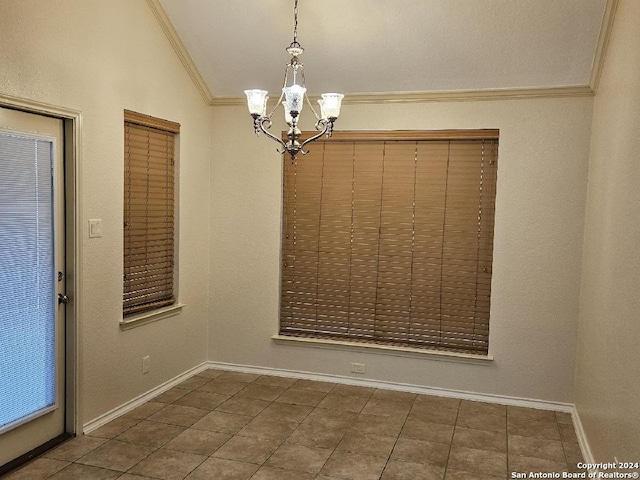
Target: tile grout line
453,435
398,437
566,460
165,443
300,423
232,436
506,426
155,449
215,410
343,435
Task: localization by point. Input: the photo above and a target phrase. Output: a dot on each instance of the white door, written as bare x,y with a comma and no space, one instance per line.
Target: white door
32,388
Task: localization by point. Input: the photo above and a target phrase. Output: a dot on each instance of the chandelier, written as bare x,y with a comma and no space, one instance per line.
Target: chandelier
294,95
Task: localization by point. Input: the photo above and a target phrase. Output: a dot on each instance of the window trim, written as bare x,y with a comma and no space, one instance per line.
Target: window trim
377,348
411,135
153,122
139,319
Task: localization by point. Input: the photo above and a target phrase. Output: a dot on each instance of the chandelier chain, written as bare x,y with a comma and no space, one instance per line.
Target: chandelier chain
295,23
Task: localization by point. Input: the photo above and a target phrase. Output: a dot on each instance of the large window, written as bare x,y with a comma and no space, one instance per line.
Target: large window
388,238
149,212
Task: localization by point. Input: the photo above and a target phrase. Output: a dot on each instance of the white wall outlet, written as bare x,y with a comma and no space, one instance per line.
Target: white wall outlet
357,368
146,362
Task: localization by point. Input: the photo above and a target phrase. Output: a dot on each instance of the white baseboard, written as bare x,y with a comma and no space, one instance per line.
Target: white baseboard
402,387
582,437
145,397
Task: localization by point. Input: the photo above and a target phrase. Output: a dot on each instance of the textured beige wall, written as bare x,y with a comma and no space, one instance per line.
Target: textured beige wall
100,57
608,361
542,178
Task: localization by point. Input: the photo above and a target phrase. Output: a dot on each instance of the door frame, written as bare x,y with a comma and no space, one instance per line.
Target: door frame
72,133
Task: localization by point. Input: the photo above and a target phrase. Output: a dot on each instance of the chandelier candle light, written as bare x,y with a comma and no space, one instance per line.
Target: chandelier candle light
294,96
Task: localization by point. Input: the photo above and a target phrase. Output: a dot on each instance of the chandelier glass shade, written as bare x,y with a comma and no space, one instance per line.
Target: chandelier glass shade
293,98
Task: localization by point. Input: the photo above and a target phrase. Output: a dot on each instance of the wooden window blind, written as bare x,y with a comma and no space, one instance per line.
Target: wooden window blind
149,212
388,238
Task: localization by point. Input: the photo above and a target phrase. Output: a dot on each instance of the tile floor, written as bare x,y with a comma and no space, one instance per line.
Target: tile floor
237,426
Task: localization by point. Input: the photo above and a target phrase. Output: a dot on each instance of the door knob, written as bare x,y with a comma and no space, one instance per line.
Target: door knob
62,299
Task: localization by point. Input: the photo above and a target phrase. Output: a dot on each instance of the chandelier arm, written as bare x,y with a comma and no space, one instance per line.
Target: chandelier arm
315,114
286,75
260,123
327,127
275,107
311,107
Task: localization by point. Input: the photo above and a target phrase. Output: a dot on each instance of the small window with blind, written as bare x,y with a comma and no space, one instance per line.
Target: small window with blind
388,239
149,213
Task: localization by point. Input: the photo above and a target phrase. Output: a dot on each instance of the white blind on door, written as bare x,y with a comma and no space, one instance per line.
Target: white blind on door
27,310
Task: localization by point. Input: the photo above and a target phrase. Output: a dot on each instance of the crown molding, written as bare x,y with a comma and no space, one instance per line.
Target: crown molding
180,50
603,42
445,96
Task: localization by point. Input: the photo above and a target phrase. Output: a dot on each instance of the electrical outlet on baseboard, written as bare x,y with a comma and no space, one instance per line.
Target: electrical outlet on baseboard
358,367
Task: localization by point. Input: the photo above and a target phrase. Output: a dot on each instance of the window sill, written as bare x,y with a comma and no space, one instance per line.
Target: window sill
148,317
384,350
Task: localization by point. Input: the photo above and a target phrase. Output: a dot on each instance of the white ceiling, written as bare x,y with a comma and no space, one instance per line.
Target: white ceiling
376,46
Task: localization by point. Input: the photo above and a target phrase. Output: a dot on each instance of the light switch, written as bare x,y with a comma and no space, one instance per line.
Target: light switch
95,228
